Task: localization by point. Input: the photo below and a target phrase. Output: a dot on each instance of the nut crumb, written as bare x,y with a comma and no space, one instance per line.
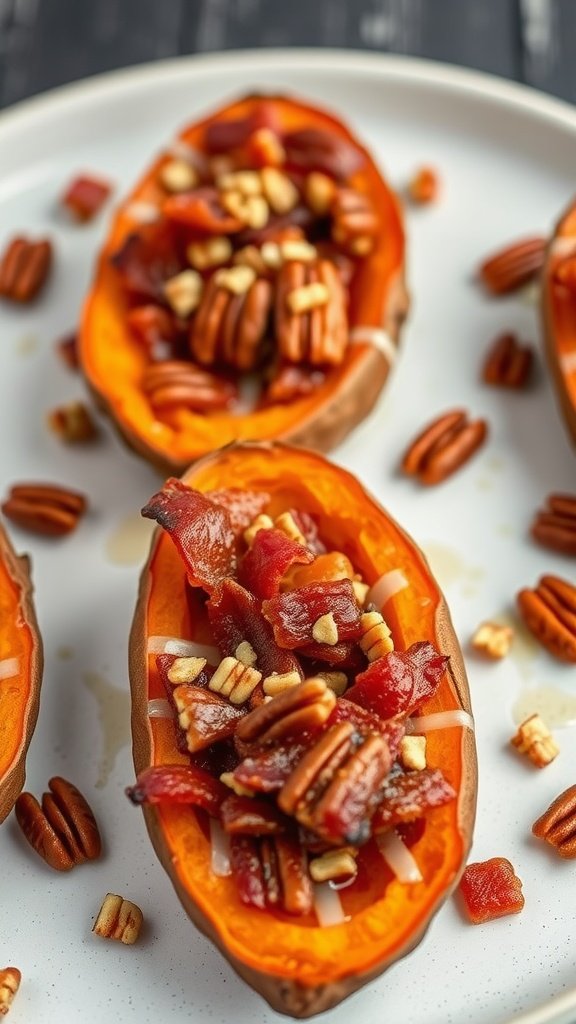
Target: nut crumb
493,640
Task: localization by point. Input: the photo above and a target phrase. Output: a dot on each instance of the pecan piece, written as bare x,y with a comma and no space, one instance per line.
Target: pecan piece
230,325
319,333
24,269
555,526
355,222
535,740
63,831
10,978
443,447
73,423
297,710
513,266
424,186
176,384
85,196
44,508
67,349
549,611
508,363
557,825
118,919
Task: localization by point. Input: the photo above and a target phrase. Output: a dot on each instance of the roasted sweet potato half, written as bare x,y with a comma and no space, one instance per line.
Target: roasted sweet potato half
559,314
251,287
20,671
301,831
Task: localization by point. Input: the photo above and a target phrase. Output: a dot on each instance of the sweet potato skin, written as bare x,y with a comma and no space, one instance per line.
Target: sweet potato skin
558,313
289,995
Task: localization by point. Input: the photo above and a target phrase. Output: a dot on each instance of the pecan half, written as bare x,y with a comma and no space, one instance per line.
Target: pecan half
176,384
10,978
555,526
549,611
230,327
443,447
355,222
24,268
118,919
557,825
44,508
318,335
513,266
424,186
508,363
300,709
73,423
63,831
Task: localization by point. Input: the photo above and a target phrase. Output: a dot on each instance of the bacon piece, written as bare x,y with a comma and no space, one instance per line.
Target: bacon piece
201,530
398,682
244,815
343,812
491,889
309,529
297,894
409,796
271,873
235,616
346,656
294,613
205,717
313,149
231,133
147,258
267,772
247,871
201,211
266,561
178,784
85,196
156,329
366,722
242,506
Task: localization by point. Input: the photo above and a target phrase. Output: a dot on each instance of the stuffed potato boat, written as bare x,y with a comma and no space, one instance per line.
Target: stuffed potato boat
20,671
301,723
251,286
559,313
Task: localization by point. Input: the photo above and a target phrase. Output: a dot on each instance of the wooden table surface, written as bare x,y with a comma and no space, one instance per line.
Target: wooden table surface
44,43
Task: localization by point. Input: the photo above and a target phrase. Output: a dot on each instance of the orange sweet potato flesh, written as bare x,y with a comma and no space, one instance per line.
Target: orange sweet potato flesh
559,315
19,693
300,968
113,362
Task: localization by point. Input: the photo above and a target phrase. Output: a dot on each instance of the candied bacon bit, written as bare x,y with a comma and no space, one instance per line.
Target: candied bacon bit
408,796
292,863
67,349
201,530
147,258
411,832
247,870
243,815
226,134
313,149
398,682
242,506
202,211
342,815
266,561
178,784
291,382
309,529
156,329
491,889
267,772
293,614
348,657
209,718
219,758
235,616
366,722
85,196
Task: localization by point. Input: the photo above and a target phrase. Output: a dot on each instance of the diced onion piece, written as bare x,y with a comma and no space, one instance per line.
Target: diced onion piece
440,720
160,708
328,906
142,212
387,586
183,648
220,849
377,337
398,857
9,667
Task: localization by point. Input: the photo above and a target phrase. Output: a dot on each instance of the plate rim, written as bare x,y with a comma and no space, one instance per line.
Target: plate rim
468,83
515,96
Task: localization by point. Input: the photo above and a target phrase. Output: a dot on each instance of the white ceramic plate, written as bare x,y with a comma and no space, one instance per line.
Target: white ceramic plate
506,157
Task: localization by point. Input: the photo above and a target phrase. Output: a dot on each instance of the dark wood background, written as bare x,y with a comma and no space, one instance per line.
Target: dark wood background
44,43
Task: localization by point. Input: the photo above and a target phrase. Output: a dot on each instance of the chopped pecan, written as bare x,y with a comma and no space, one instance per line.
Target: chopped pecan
178,175
235,680
73,423
313,149
10,978
118,919
549,611
299,709
177,384
355,222
557,825
272,872
534,739
513,266
318,336
183,292
67,349
424,186
493,639
555,526
24,269
508,363
230,327
443,447
63,831
44,508
334,866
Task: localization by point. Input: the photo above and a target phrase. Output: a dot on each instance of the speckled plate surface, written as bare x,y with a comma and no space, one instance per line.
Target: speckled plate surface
507,158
